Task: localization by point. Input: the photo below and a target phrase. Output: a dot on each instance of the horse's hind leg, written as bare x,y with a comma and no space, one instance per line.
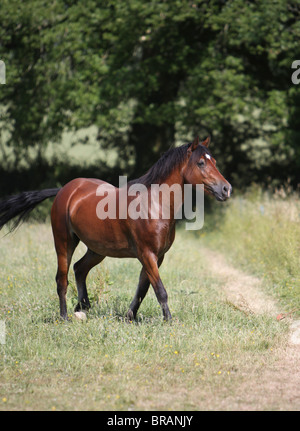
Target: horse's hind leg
141,292
81,269
64,249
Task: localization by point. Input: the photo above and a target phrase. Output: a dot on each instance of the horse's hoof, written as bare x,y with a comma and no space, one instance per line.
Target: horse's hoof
129,316
80,315
82,306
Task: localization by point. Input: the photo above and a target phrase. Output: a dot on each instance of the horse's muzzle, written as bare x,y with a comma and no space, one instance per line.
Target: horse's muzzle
223,191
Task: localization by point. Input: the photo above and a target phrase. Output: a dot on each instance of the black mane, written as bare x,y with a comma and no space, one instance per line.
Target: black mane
163,168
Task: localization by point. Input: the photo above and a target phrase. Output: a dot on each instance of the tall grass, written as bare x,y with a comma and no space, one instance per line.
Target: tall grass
260,231
194,362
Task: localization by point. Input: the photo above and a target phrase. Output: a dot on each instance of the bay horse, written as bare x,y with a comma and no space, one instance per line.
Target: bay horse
74,219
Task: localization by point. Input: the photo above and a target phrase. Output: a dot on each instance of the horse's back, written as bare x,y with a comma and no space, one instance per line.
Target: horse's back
76,210
71,193
76,207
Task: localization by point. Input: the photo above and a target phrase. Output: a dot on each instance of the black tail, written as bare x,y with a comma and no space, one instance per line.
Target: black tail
21,205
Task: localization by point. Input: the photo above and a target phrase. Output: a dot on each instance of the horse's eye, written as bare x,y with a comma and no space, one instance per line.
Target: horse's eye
201,163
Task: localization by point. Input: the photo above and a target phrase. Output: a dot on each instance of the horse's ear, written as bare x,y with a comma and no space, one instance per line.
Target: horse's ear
194,145
206,142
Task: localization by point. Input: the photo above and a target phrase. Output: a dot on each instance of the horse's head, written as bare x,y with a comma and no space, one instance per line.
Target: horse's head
201,169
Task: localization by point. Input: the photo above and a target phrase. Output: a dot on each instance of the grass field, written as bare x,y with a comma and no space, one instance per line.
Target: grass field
260,232
196,362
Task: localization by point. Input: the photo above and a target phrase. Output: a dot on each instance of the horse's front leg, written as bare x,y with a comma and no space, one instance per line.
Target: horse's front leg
141,292
150,264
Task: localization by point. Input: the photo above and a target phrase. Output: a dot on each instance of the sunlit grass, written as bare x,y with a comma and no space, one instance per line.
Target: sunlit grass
105,363
261,233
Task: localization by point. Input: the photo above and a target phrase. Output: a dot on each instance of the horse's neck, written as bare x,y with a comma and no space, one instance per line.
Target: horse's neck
172,191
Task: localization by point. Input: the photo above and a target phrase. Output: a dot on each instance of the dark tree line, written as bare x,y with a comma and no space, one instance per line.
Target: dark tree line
150,74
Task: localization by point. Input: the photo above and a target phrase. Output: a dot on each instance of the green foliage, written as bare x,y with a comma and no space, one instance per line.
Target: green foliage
151,73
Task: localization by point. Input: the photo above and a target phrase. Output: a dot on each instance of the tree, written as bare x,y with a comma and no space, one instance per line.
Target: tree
149,73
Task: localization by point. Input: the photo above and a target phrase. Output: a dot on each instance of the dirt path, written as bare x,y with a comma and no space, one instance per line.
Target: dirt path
278,387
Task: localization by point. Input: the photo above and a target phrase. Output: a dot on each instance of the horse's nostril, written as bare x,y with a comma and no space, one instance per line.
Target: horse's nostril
226,190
